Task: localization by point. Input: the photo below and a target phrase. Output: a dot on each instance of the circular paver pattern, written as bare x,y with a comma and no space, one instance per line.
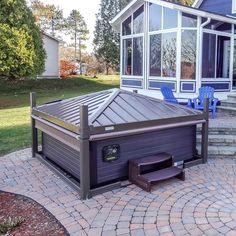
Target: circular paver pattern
204,204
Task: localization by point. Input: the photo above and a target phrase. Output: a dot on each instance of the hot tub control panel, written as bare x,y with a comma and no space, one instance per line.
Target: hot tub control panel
111,153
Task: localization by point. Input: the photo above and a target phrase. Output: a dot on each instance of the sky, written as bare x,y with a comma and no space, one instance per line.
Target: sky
87,8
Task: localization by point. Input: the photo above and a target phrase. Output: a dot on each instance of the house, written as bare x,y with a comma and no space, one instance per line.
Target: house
168,44
52,64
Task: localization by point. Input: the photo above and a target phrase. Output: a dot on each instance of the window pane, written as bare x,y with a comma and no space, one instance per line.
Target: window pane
169,55
218,25
155,17
138,56
126,27
208,55
223,57
127,56
170,18
189,20
188,54
155,55
138,21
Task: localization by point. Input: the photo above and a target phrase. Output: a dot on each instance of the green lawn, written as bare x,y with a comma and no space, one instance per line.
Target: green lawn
14,104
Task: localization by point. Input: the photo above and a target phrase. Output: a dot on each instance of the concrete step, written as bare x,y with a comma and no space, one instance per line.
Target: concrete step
219,140
230,110
216,151
228,103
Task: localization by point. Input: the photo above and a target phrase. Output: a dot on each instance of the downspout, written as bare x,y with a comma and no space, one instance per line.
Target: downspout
206,23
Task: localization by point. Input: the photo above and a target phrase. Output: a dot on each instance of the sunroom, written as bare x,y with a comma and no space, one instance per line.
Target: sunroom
167,44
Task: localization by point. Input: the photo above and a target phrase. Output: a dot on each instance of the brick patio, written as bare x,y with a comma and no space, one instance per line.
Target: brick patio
205,204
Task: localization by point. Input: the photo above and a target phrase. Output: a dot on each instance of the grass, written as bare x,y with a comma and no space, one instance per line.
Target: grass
14,104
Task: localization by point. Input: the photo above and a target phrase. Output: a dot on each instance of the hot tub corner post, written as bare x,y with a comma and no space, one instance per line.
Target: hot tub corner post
84,153
34,130
205,126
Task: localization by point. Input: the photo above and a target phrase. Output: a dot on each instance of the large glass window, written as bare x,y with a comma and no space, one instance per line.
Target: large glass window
127,57
170,18
155,55
138,56
163,55
155,17
169,54
188,54
189,21
208,55
138,21
215,56
126,27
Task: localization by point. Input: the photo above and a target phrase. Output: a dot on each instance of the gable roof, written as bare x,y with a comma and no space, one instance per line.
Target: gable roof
50,36
122,15
112,107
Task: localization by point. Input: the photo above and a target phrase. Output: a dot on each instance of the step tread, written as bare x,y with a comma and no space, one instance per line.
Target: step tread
228,101
163,174
154,159
226,108
219,137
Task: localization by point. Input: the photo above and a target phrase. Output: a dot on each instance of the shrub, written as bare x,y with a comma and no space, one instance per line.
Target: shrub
67,68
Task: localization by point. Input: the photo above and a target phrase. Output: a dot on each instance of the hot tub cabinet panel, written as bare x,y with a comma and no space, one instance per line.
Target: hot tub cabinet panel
62,155
136,146
93,137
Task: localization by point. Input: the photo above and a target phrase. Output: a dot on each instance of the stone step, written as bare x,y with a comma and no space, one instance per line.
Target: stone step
220,140
228,103
219,131
232,96
230,110
215,151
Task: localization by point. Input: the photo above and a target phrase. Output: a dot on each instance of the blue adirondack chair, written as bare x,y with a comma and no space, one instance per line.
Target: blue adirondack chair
206,92
169,96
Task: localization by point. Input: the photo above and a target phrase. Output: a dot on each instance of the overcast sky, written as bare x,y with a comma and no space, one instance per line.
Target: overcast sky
87,8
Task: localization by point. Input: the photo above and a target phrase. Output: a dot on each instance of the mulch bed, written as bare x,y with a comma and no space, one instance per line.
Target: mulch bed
37,220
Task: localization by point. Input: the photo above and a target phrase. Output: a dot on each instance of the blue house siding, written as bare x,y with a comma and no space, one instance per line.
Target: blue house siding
223,7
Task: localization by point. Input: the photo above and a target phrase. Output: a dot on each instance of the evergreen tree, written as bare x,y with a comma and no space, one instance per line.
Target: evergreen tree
106,40
48,17
21,47
77,29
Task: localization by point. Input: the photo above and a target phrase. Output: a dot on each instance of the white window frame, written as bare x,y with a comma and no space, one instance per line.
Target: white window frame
233,6
217,33
132,36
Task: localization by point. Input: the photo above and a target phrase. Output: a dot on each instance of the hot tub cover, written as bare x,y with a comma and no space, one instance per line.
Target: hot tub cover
111,107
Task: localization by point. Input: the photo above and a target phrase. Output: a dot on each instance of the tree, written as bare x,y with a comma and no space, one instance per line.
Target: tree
48,17
77,29
106,40
21,46
184,2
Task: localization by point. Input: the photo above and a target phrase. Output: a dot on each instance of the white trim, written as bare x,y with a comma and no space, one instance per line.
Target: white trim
215,80
233,6
132,77
129,9
178,51
162,78
197,3
198,55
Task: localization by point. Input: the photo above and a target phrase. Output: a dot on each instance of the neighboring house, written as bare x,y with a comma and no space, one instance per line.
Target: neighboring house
168,44
52,64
